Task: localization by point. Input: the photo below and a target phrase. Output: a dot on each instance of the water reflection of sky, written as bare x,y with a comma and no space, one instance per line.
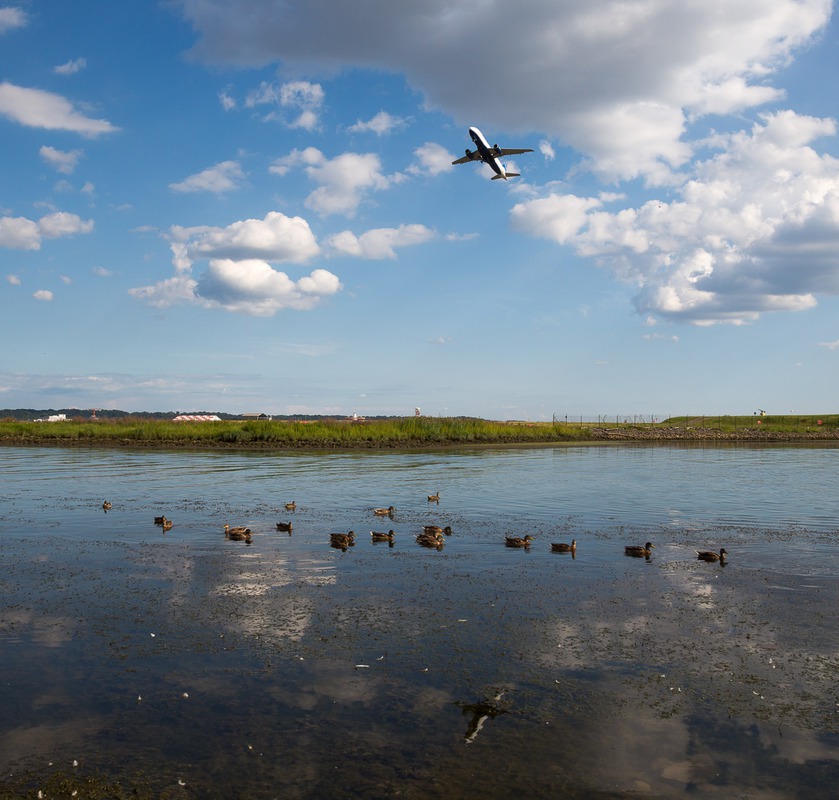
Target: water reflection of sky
382,670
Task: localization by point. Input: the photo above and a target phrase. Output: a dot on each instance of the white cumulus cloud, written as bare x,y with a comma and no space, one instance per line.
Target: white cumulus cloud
39,109
238,276
432,159
753,228
71,67
20,233
344,181
12,17
381,124
63,161
222,177
254,287
379,243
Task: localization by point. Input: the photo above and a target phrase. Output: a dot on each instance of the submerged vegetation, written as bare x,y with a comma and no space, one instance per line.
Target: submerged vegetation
405,432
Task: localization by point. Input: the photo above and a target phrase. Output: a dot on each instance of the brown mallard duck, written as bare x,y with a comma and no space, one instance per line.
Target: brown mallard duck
384,512
710,555
239,536
519,541
106,506
434,498
437,529
290,506
167,524
159,520
431,540
284,526
342,540
562,547
235,530
639,550
380,536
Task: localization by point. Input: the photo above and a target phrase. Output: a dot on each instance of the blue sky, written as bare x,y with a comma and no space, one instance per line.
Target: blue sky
250,206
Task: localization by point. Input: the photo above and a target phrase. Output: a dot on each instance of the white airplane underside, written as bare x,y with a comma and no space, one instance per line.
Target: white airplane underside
491,155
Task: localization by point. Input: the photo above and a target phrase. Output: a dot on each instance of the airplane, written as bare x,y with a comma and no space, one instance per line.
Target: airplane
490,155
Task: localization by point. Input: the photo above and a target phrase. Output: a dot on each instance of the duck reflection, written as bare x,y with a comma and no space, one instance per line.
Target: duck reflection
479,714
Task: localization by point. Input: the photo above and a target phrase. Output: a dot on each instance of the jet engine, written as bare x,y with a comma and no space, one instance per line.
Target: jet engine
468,153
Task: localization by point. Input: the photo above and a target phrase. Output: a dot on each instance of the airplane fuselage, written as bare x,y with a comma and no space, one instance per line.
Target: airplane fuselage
488,155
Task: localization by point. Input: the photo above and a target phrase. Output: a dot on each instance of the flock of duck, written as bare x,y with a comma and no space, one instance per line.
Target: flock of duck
433,536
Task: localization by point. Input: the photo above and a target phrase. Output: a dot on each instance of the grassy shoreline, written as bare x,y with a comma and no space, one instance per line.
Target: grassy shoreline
408,432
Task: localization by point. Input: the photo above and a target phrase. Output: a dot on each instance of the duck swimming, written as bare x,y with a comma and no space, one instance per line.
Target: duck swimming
710,555
639,550
290,506
342,540
434,498
437,529
106,506
562,547
431,540
284,526
384,512
518,541
167,524
378,536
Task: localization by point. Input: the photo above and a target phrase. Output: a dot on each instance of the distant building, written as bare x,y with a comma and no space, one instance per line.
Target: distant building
256,415
54,418
197,418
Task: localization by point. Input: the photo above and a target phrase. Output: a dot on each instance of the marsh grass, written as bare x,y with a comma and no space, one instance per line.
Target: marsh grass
396,432
399,432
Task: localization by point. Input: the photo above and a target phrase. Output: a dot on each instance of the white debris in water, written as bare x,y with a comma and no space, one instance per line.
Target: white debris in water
185,694
362,666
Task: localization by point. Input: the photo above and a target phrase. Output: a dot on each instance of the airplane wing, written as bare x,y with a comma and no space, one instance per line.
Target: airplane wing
474,155
514,151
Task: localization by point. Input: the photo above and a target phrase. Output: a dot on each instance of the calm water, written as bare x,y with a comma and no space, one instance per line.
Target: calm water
287,668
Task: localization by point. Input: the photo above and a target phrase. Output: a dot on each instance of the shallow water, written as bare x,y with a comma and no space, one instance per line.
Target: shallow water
287,668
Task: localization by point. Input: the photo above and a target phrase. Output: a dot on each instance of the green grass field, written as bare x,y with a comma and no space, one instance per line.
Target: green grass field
399,432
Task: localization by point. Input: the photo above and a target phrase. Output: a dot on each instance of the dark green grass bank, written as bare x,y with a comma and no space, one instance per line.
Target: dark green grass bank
408,432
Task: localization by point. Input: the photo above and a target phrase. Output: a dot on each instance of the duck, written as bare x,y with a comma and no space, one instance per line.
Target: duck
431,540
437,529
284,526
342,540
434,498
518,541
230,532
639,550
290,506
240,536
562,547
159,520
710,555
106,506
167,524
384,512
379,536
